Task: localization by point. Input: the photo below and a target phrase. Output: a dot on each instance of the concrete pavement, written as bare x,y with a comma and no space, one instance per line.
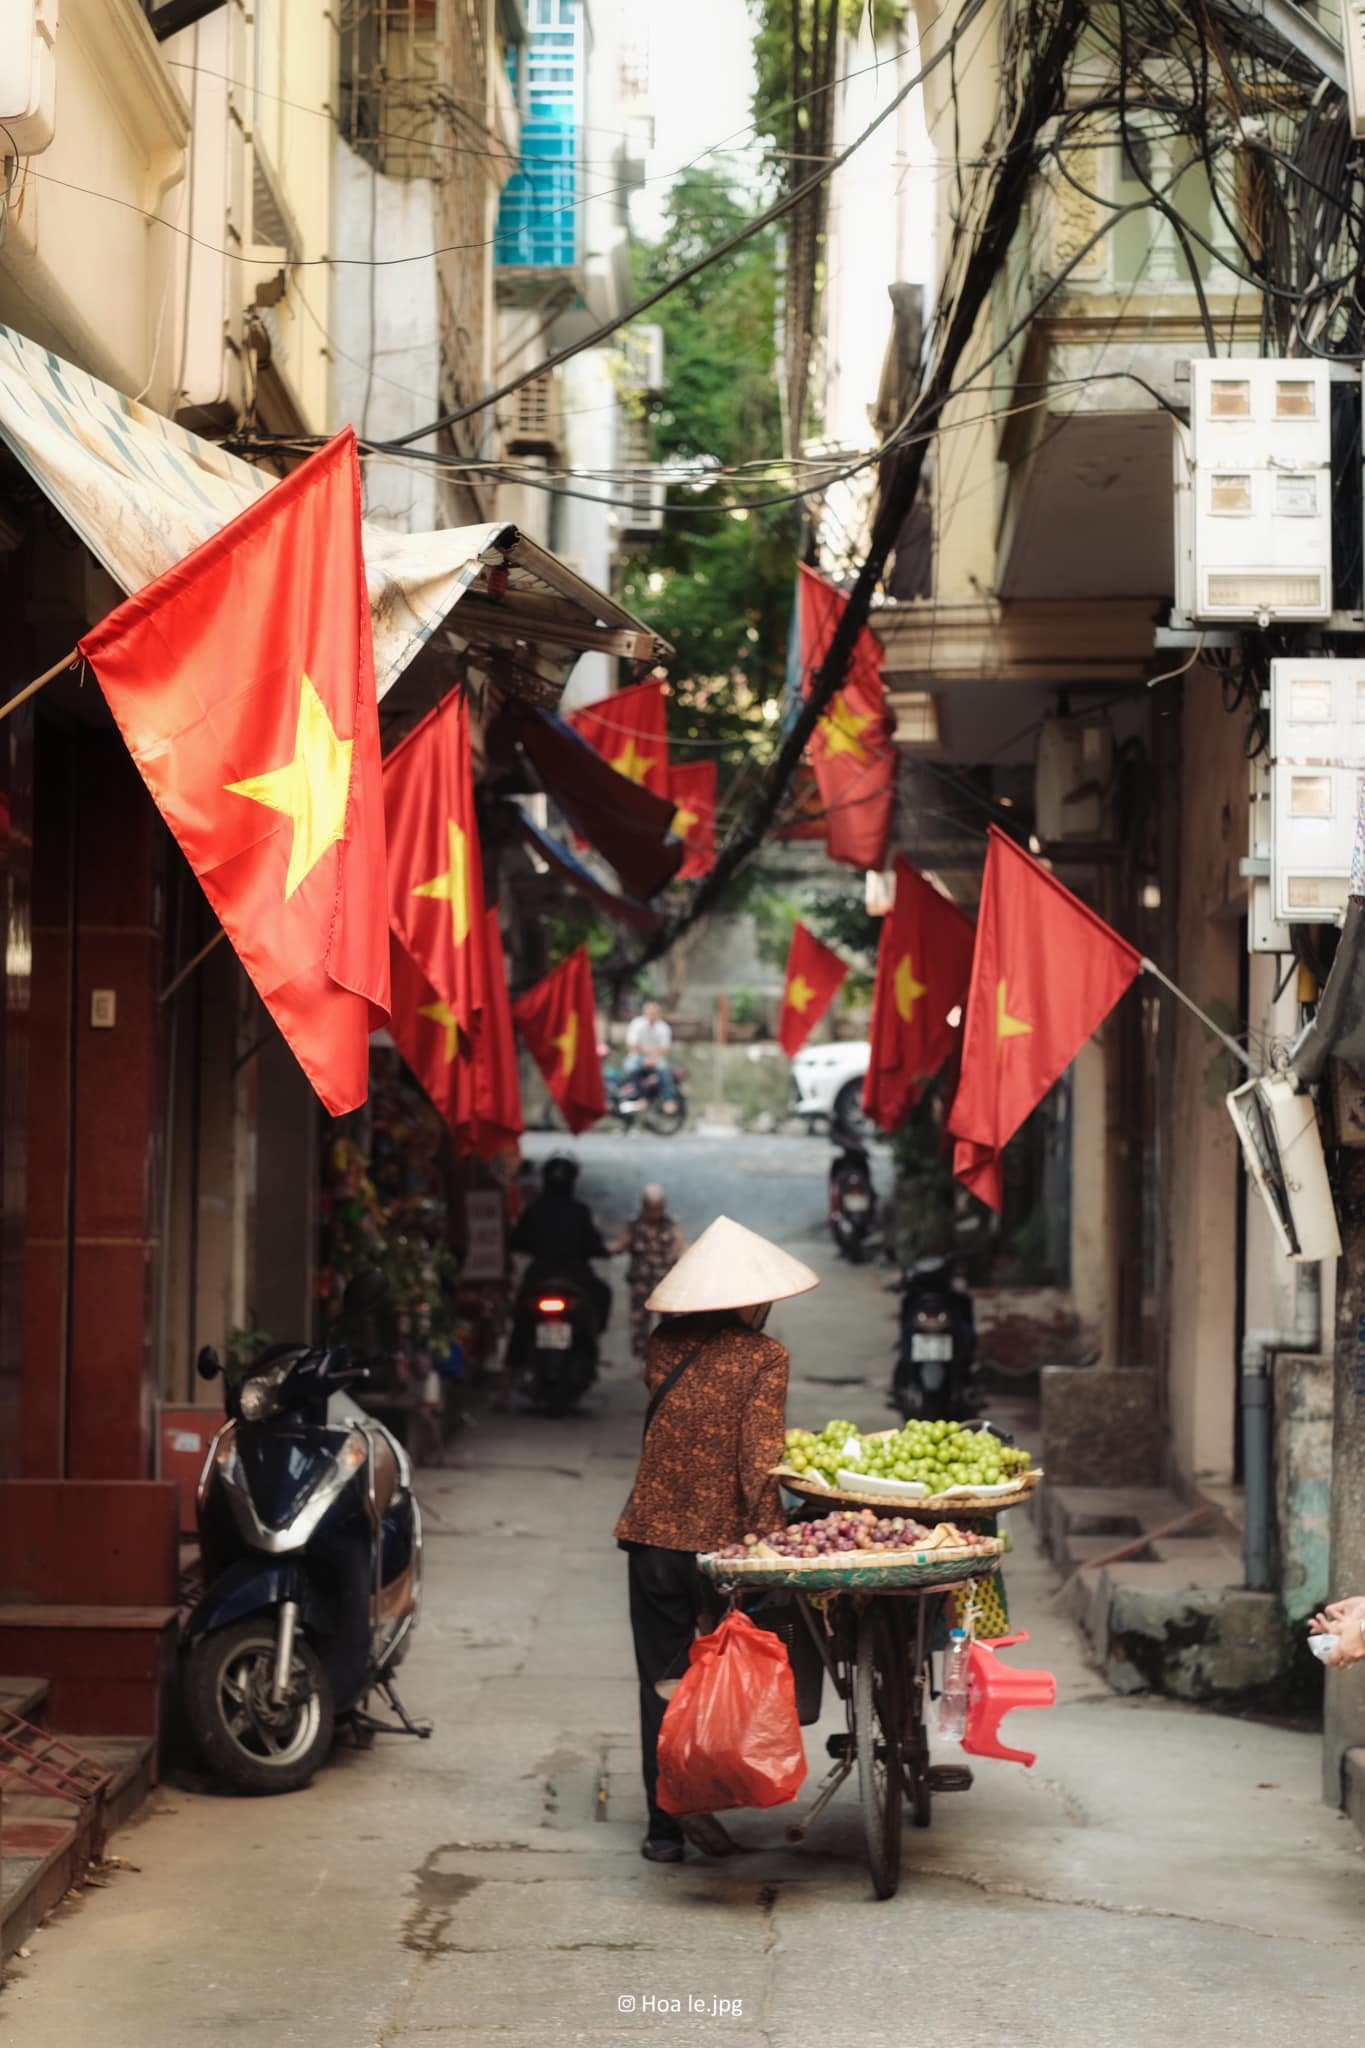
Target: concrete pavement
1162,1876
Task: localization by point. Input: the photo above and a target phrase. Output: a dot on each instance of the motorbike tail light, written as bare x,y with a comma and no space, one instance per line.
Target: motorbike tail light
552,1305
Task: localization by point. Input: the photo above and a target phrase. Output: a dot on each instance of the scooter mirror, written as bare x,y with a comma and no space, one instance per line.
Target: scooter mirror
208,1365
365,1291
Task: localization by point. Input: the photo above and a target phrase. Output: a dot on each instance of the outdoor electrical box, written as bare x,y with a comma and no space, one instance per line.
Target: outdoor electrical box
1266,933
1353,49
1282,1146
1073,796
1257,523
1317,755
28,76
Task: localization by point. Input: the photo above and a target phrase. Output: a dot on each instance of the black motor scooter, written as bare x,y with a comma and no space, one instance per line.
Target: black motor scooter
852,1197
936,1349
555,1342
311,1539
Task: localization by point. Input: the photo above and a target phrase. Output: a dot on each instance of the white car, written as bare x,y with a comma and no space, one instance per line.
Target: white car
829,1081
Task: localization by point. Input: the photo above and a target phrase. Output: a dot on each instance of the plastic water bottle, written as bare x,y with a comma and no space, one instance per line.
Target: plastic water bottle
952,1704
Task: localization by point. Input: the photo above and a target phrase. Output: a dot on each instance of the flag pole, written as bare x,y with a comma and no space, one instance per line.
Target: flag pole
1150,967
187,970
32,689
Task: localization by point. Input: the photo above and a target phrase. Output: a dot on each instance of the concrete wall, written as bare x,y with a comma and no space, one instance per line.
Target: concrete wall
387,330
1202,1218
1303,1466
1089,1194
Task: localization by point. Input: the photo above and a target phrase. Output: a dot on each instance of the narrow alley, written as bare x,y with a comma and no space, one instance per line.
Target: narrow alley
1162,1875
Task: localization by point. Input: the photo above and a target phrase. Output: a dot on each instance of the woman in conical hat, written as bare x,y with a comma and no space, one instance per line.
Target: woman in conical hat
714,1428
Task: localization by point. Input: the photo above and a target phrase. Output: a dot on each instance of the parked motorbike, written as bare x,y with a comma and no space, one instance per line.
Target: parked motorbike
636,1100
937,1345
311,1541
852,1198
555,1343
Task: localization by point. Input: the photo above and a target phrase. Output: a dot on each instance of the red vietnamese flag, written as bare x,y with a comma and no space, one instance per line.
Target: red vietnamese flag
242,681
558,1020
630,730
924,963
1045,974
852,748
435,865
693,790
814,978
427,1033
497,1089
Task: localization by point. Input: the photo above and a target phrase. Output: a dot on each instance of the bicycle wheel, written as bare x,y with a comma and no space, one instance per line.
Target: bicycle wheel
915,1756
877,1734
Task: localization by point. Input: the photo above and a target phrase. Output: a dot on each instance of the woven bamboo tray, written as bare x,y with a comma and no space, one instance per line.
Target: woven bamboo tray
856,1572
942,1507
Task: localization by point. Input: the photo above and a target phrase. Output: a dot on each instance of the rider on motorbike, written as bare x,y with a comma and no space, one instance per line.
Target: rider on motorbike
557,1233
649,1040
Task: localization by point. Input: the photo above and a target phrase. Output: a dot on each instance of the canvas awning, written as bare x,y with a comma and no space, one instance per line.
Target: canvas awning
142,493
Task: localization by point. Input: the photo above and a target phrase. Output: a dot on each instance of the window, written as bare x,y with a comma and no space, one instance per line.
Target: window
1229,398
1295,399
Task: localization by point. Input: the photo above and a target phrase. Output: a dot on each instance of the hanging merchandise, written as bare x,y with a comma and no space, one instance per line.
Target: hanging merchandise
558,1020
1046,972
242,681
814,977
924,963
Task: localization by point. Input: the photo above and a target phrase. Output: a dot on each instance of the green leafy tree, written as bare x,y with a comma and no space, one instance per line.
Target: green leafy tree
717,584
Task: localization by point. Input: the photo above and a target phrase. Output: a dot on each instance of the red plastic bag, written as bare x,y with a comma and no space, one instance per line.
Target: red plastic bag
730,1735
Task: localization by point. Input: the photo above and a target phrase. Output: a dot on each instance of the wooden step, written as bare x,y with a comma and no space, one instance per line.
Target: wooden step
45,1844
111,1669
25,1697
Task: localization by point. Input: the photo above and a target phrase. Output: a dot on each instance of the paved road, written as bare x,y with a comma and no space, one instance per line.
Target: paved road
1163,1877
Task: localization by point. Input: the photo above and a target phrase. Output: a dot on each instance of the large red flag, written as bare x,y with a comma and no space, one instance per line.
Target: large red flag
630,730
1045,974
814,978
242,681
852,748
472,1082
435,864
693,790
558,1020
924,963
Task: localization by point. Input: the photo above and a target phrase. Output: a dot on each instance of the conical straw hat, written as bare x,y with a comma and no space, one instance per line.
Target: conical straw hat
730,1267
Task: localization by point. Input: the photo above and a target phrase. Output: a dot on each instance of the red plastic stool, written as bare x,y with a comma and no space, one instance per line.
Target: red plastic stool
993,1690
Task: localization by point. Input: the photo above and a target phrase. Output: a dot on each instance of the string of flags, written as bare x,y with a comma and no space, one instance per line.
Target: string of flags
351,886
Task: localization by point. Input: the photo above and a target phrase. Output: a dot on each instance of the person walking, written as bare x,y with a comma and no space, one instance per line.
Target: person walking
653,1243
714,1428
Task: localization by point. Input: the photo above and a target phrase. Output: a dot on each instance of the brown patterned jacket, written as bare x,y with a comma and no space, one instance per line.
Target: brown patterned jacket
704,1469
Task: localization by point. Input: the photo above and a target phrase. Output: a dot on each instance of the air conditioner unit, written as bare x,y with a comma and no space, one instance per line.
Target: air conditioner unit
642,514
28,76
1353,45
1282,1146
642,350
534,429
1260,512
1074,780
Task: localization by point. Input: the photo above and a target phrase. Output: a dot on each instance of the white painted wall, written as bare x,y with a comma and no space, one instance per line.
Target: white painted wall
586,535
386,327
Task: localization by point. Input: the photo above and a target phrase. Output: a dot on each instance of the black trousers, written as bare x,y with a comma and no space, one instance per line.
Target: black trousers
668,1596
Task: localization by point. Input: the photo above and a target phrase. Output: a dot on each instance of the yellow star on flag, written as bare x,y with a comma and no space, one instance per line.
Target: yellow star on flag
312,788
841,728
634,766
442,1014
908,990
1005,1025
452,886
567,1046
800,993
683,821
